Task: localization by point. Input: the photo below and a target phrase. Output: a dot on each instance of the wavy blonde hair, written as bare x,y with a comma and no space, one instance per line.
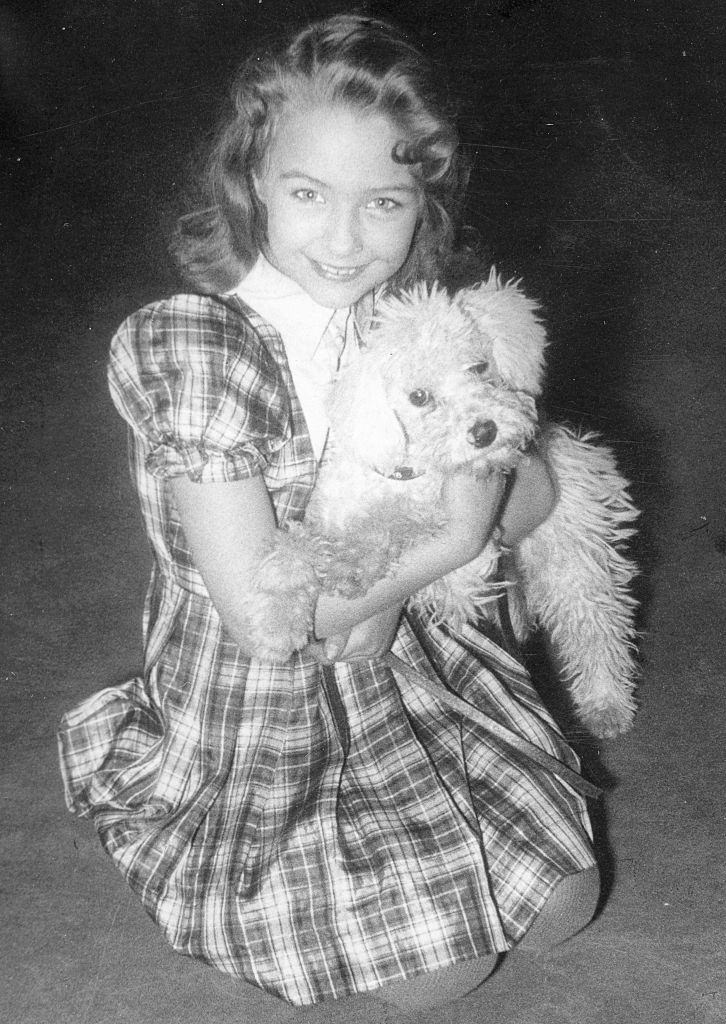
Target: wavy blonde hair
360,62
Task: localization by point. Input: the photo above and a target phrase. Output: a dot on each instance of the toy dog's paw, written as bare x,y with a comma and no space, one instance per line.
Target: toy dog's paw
609,721
346,577
282,594
279,624
353,567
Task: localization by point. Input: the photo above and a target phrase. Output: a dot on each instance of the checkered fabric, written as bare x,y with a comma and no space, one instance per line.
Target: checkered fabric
316,831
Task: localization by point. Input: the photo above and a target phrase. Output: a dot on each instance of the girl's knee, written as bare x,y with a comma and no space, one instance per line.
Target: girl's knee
437,988
569,908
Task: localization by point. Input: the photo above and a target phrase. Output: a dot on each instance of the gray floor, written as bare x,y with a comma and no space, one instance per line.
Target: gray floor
599,178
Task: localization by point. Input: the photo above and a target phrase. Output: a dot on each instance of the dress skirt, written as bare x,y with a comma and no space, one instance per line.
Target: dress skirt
319,831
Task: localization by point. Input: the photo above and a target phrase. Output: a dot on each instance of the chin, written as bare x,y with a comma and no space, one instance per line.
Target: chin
337,295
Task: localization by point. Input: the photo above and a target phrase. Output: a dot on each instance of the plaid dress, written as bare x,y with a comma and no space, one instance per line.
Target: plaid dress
317,831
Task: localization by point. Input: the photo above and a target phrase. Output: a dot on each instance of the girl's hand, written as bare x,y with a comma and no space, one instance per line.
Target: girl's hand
369,639
530,499
473,505
327,651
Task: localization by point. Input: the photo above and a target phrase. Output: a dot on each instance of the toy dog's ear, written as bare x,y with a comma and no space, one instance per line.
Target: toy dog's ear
362,419
510,319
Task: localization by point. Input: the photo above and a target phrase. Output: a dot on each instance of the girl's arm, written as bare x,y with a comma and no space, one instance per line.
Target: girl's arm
529,499
227,526
473,507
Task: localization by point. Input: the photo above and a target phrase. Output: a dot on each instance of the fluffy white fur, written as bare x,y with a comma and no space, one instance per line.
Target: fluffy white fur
447,384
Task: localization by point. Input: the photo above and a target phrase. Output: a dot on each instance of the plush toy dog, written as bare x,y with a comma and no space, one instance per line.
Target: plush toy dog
448,384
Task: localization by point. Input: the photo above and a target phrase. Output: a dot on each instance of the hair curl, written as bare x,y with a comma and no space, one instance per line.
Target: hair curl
361,62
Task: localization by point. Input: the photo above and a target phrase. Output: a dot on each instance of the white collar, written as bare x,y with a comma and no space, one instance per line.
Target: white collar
313,350
300,320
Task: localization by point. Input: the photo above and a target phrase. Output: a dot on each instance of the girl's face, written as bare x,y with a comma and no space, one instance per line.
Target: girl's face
341,214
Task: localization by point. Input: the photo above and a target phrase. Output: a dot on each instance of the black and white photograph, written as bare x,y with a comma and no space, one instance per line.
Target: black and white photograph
363,547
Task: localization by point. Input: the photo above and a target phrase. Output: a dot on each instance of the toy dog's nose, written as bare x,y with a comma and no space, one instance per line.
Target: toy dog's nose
482,433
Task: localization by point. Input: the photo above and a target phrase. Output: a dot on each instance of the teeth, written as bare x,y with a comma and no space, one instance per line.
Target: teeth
339,272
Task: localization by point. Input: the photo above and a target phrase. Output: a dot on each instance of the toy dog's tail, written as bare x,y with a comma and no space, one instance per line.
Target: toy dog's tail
576,580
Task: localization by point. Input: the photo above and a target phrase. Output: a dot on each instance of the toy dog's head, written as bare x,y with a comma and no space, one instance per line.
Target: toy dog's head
443,382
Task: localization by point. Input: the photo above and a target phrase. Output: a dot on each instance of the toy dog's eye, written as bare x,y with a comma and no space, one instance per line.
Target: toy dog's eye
479,368
421,396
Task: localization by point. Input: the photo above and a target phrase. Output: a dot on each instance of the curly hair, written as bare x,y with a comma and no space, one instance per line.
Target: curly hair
360,62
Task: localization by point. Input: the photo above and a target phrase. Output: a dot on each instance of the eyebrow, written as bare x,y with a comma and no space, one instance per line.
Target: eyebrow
377,189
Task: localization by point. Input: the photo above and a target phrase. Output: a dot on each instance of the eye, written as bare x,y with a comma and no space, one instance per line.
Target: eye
479,368
383,204
308,195
421,396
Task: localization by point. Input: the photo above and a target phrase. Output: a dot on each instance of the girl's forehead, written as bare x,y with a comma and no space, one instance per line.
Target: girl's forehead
334,143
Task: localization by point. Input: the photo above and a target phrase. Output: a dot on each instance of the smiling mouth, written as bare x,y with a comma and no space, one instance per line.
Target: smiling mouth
331,273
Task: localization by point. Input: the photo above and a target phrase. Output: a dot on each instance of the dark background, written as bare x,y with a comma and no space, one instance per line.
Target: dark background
596,131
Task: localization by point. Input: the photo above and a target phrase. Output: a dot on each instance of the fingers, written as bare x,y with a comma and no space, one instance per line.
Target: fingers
370,639
327,651
334,646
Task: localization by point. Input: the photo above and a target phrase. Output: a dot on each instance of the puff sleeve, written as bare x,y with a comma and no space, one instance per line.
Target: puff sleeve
199,389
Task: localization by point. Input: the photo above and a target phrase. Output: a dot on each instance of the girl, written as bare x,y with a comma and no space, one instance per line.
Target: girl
320,827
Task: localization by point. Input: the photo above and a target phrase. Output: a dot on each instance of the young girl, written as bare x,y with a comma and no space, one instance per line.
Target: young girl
319,827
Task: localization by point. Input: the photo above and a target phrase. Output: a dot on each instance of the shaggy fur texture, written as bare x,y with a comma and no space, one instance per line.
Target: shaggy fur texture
448,384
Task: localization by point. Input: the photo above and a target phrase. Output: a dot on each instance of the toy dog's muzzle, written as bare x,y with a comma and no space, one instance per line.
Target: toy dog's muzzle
482,434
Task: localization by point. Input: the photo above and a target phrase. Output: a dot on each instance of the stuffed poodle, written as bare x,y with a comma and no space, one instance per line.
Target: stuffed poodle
447,384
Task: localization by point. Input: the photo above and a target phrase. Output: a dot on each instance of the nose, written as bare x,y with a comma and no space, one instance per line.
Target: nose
343,234
482,433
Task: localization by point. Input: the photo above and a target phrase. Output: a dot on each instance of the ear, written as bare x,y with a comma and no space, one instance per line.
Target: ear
510,319
361,418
